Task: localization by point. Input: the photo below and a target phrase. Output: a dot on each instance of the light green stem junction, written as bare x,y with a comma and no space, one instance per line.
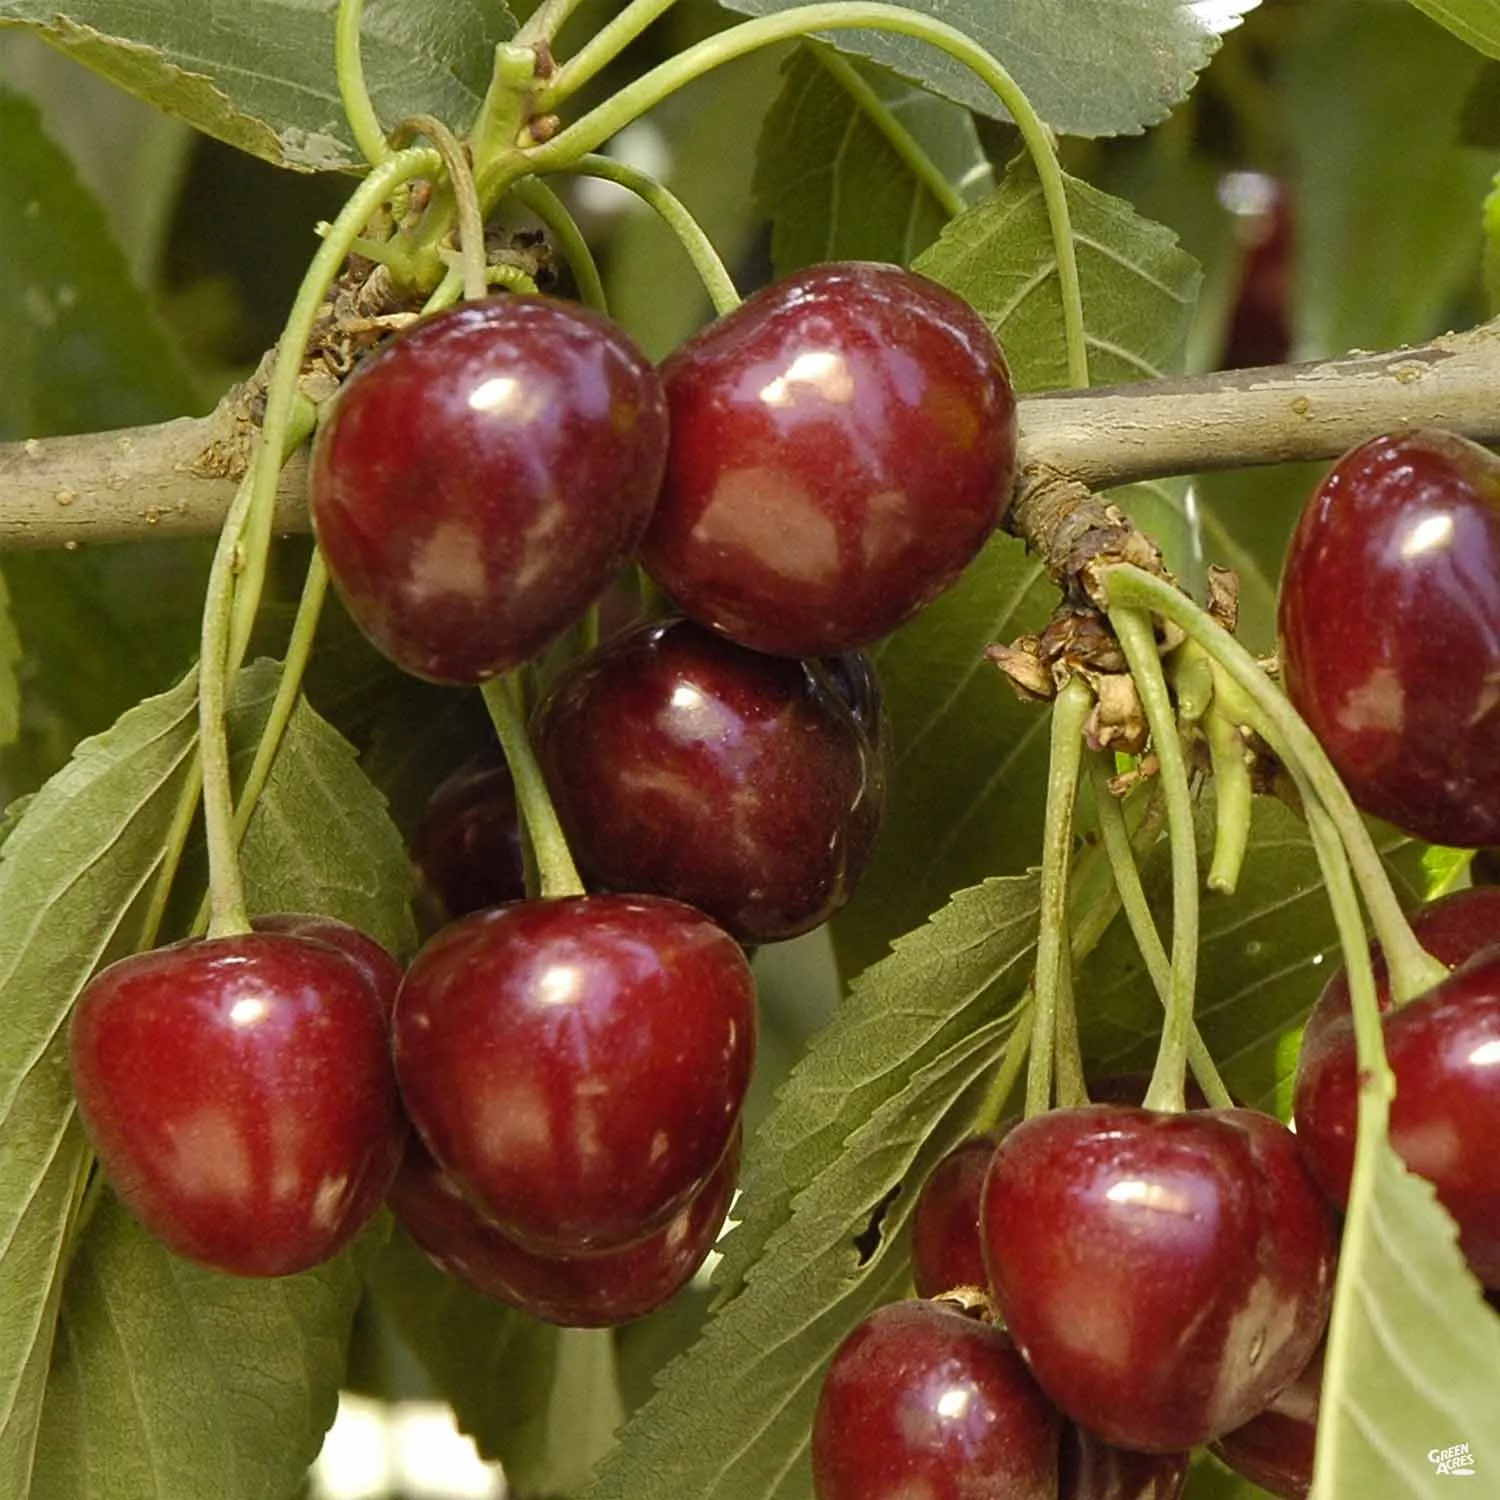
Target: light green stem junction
1137,641
1412,970
1069,711
706,260
557,873
359,110
632,101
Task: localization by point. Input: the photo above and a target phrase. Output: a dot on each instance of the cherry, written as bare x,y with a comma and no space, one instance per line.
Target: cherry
1164,1274
577,1065
589,1291
1259,330
945,1249
921,1400
381,970
479,481
1389,623
467,847
1091,1469
1443,1048
842,446
1275,1449
683,764
239,1094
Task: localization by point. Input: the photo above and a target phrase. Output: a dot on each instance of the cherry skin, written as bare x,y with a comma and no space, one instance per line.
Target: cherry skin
239,1094
480,480
921,1400
467,847
381,970
1445,1118
1164,1274
586,1291
577,1065
1091,1469
842,446
683,764
1275,1449
1389,625
945,1249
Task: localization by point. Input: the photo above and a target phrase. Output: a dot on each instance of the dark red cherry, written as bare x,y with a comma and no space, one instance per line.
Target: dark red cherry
467,847
239,1094
1164,1274
1485,869
479,481
586,1291
1389,623
578,1065
376,962
1259,330
683,764
1091,1469
842,446
945,1248
1444,1048
923,1401
1275,1449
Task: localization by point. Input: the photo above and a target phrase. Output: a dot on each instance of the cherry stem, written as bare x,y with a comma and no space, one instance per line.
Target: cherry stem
1069,1084
1069,711
460,183
183,816
596,127
543,24
885,120
1133,629
706,260
558,875
599,51
997,1095
359,110
289,417
553,212
1412,969
1132,893
1234,795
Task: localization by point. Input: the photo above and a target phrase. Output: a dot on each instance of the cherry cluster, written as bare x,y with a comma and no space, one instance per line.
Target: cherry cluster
549,1097
1110,1287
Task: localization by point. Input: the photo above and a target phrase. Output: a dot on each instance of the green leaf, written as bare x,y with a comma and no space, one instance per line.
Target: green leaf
968,757
170,1382
260,74
10,683
1090,67
71,876
83,350
856,164
540,1400
1367,277
1476,22
886,1089
1413,1363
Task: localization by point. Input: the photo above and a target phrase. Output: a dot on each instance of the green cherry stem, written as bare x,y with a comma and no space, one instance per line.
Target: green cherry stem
553,212
459,183
1133,629
364,123
554,862
289,418
1127,877
1412,969
884,118
599,51
1068,1083
1234,795
706,260
543,24
991,1108
1069,711
593,129
183,816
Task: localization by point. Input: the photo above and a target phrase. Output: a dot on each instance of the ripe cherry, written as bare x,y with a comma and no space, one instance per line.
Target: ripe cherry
1389,624
240,1097
921,1400
1091,1469
683,764
1164,1274
842,446
945,1249
587,1291
377,963
577,1065
467,847
479,481
1275,1449
1444,1048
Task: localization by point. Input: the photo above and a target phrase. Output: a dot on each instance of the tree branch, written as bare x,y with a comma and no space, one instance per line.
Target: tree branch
177,478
